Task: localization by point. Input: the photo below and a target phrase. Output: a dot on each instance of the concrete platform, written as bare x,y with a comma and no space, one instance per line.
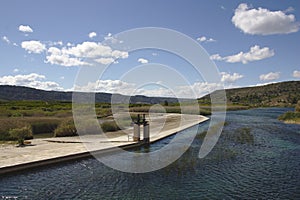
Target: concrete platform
53,150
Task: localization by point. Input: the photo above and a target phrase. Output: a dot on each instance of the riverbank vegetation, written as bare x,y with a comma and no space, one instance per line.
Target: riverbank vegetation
49,118
291,117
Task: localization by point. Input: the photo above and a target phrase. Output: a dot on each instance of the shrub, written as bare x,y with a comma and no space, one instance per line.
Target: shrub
10,123
244,136
289,116
110,126
66,128
44,126
297,109
21,134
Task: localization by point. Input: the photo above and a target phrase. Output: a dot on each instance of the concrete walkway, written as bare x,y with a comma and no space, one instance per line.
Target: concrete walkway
161,126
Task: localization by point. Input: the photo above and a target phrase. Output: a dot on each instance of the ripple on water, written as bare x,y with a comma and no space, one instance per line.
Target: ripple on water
266,169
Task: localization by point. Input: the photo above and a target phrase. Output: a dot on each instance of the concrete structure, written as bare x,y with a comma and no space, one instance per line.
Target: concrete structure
47,151
136,132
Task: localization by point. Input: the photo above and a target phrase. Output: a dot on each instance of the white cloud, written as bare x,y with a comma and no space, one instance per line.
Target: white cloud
198,89
89,50
195,90
57,43
105,61
230,78
205,39
262,21
5,39
216,57
33,46
59,57
73,55
92,34
296,74
109,86
30,80
270,76
16,70
142,60
255,53
25,29
111,39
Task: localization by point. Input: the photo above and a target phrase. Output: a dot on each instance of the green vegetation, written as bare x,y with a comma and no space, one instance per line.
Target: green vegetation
292,117
49,113
297,108
110,126
21,134
244,136
284,94
66,128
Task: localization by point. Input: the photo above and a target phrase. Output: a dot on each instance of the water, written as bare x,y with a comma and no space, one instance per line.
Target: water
257,157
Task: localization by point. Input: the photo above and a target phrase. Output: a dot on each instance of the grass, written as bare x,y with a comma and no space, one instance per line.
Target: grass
243,136
290,117
45,118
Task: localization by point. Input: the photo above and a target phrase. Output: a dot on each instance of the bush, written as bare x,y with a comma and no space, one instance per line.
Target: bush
109,126
289,116
297,109
44,127
66,128
21,134
10,123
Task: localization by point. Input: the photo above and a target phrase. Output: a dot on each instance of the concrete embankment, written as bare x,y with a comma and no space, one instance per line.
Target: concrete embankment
48,151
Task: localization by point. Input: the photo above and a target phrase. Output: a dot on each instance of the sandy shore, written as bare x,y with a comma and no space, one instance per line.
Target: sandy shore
161,126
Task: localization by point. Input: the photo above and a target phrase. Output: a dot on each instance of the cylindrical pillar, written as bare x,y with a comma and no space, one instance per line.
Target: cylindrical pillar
146,132
136,132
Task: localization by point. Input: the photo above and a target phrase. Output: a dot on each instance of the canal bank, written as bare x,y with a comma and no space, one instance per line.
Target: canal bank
48,151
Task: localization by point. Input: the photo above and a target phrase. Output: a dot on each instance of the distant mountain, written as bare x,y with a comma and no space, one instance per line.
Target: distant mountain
276,94
8,92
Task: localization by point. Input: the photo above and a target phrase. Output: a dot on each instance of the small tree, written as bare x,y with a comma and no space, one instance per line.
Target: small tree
297,109
166,103
21,134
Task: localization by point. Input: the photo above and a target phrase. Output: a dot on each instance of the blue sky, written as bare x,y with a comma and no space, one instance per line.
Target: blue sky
44,44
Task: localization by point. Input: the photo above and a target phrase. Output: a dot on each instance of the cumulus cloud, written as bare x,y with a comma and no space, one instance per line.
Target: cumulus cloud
205,39
105,61
296,74
109,86
30,80
143,60
270,76
262,21
16,70
59,57
197,89
33,46
73,55
92,34
230,78
25,29
255,53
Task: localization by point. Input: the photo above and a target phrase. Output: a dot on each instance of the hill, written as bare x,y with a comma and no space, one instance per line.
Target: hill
8,93
276,94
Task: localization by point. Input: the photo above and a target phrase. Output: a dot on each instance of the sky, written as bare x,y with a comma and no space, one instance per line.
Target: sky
47,44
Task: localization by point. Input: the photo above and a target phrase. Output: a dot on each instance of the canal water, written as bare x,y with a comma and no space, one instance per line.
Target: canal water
256,157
